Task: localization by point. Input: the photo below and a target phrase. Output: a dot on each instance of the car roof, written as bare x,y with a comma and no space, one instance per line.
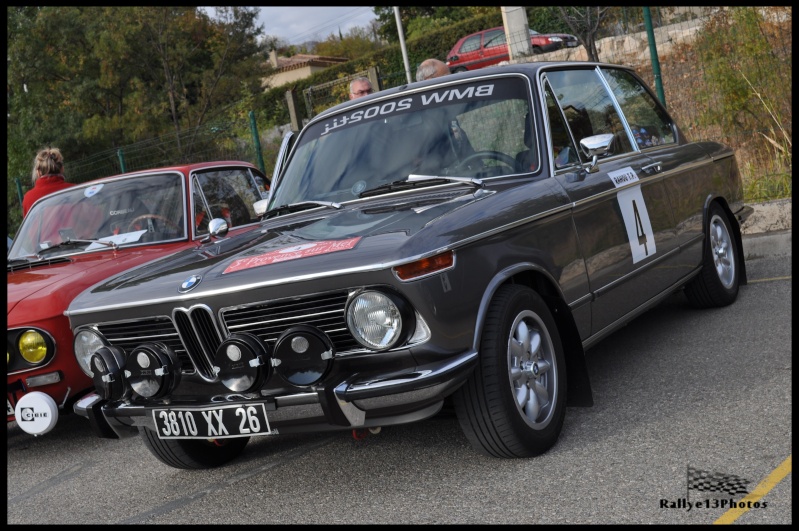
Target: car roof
528,69
182,168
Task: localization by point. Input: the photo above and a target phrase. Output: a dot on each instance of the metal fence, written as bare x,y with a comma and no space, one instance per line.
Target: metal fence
725,74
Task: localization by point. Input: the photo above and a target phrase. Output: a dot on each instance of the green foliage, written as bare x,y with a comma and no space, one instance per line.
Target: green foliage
356,43
749,90
419,27
409,16
86,79
724,53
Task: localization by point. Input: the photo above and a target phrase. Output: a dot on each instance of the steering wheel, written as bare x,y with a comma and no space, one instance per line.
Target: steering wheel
167,221
492,155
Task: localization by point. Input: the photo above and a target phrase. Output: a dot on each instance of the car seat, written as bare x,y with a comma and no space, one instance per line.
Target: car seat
526,160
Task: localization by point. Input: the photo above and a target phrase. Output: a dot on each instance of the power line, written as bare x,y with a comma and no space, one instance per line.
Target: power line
330,25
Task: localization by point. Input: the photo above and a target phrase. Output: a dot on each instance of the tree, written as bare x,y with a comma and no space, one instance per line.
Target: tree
584,23
388,21
356,43
97,78
90,79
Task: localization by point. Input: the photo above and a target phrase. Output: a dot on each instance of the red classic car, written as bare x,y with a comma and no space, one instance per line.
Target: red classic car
82,235
489,47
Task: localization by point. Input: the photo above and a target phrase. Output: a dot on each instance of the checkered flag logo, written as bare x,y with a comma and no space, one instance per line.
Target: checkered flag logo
716,482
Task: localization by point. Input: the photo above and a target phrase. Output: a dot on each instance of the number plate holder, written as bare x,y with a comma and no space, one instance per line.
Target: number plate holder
220,422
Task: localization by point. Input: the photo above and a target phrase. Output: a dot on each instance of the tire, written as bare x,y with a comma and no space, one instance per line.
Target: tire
514,403
191,453
717,283
459,69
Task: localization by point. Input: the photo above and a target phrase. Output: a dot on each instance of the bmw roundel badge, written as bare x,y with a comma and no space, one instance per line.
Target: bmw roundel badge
190,283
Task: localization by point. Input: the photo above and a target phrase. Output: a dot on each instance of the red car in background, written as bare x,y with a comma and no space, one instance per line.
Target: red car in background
489,47
79,236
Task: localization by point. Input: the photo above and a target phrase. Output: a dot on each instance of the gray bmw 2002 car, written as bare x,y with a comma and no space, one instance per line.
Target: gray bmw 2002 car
469,237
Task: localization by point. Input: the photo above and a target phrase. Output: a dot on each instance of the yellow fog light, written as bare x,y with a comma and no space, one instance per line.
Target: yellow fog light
32,346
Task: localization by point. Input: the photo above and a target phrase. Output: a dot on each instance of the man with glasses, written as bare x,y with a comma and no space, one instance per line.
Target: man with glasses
360,86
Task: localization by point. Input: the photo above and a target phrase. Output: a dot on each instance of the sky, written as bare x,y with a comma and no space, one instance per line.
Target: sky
299,24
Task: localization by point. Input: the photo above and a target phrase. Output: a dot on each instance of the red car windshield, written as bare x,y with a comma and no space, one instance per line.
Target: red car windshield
137,209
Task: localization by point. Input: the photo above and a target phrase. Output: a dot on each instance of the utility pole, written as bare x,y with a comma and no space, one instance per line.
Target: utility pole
517,33
402,44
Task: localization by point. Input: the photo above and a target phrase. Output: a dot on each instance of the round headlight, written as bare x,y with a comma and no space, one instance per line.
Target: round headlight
377,319
152,370
107,373
32,346
241,362
303,355
85,344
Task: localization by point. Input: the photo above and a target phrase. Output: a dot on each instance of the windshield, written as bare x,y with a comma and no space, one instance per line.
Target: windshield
472,129
131,210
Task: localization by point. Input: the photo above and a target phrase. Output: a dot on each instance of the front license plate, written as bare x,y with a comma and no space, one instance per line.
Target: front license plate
571,44
221,422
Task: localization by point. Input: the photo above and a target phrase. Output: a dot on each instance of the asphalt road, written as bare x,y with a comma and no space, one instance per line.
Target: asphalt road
676,388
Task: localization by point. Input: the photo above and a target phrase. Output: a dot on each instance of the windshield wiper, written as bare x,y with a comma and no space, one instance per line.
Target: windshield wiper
72,241
415,181
296,207
469,180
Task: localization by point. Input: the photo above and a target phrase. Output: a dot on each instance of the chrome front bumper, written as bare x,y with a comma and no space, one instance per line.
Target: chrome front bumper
342,406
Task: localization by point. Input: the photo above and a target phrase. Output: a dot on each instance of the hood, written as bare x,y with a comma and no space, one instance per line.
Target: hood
372,235
46,288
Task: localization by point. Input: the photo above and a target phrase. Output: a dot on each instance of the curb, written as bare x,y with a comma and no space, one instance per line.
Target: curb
769,216
767,245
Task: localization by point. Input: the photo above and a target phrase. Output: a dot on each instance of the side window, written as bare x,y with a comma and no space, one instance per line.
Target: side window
588,107
649,122
494,38
502,127
200,210
228,194
470,44
564,151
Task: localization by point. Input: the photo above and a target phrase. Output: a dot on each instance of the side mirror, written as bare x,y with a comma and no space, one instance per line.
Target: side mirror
217,228
595,147
260,207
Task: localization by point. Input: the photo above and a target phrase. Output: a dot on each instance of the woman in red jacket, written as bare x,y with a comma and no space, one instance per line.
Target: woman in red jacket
48,176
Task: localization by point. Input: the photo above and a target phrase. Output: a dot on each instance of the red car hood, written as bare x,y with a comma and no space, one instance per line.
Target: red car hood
46,290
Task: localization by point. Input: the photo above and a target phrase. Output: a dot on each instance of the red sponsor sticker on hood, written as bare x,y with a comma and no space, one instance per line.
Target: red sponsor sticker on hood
293,252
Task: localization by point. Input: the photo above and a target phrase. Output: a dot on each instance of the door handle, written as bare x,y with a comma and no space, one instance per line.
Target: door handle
651,168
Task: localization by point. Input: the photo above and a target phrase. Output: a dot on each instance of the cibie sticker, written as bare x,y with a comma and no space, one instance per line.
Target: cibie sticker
293,252
92,190
623,177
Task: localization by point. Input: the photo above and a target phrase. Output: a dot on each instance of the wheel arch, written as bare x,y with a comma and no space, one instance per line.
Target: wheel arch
736,230
541,281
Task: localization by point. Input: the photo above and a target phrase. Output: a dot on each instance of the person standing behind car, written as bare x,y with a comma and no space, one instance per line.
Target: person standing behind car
430,68
360,86
47,177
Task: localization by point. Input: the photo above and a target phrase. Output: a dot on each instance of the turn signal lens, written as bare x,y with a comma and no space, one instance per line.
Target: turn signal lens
425,266
32,346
